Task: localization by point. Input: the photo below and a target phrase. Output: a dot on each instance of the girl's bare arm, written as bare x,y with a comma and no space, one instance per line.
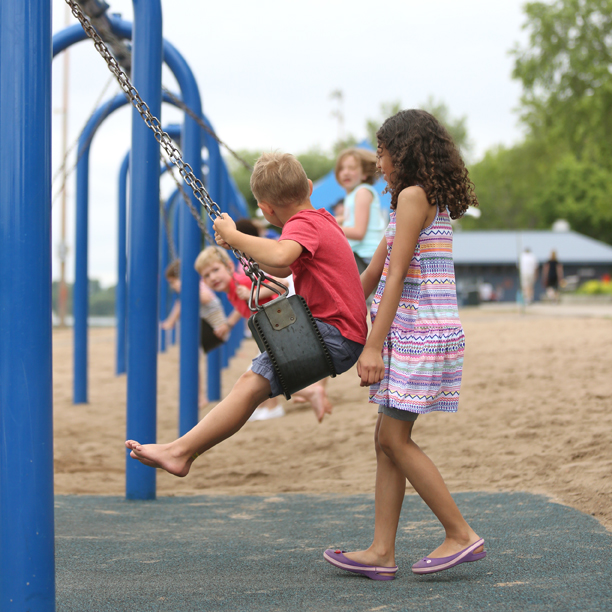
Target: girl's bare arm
412,212
363,201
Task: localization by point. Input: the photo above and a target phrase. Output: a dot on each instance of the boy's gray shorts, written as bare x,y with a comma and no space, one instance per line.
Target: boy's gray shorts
344,354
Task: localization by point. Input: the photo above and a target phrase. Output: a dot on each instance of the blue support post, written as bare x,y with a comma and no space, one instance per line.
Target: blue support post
163,284
80,292
121,291
27,566
143,245
80,298
176,236
164,288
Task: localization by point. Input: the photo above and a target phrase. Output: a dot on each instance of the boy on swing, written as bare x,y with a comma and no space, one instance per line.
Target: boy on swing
313,248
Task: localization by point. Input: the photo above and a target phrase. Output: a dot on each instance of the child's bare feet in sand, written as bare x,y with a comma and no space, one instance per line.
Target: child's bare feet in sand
163,456
315,394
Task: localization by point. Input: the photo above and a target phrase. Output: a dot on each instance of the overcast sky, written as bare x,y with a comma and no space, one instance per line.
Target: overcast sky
266,70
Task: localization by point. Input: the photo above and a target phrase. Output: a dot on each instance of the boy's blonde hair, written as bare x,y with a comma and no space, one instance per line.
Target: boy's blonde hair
211,255
278,179
366,158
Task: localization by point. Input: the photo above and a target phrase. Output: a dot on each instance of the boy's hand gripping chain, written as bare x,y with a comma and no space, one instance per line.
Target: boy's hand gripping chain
298,353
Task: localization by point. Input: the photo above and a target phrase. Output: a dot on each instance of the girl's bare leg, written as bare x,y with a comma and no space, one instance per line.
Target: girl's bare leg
224,420
395,439
389,495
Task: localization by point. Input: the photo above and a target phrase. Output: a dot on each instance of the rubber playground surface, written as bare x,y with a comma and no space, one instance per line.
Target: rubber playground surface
257,553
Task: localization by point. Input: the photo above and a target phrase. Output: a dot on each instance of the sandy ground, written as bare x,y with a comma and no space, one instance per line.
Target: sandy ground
535,415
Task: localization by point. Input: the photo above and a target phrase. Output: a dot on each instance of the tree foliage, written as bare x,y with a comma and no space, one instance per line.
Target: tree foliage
566,75
563,168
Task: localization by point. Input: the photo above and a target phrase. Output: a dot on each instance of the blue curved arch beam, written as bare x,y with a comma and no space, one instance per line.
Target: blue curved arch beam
80,296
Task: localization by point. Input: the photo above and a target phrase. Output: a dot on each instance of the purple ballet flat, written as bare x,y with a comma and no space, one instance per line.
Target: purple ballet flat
335,557
428,565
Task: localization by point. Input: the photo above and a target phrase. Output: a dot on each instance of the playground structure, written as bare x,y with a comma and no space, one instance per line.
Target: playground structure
26,459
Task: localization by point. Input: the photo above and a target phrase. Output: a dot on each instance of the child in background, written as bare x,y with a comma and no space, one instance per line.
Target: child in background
413,357
215,267
213,323
313,249
362,220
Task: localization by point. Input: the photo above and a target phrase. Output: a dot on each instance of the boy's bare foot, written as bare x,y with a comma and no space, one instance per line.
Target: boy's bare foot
162,456
316,395
327,404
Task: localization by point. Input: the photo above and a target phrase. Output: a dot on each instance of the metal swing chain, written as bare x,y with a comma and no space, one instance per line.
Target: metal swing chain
185,170
194,211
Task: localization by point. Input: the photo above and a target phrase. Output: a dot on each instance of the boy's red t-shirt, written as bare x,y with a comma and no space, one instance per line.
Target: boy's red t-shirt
325,274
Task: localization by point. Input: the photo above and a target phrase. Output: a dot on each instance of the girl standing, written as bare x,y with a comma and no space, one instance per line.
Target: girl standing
362,221
413,357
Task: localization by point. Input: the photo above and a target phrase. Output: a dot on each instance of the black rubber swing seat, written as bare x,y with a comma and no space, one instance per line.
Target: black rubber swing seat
287,331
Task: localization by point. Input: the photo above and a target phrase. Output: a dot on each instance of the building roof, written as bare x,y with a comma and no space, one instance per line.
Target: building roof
502,247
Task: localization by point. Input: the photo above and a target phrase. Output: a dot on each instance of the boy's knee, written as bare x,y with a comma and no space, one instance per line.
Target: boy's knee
256,383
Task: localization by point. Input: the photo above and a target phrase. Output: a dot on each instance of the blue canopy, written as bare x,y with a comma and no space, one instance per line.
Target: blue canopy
327,191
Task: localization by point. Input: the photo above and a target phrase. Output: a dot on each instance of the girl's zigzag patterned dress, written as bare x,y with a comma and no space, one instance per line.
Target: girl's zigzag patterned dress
423,352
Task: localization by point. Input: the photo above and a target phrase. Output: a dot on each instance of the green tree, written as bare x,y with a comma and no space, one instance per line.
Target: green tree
507,181
565,69
580,192
102,302
316,163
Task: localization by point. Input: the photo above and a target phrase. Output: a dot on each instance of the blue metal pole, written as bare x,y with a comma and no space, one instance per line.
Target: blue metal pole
80,292
81,278
176,236
217,359
27,574
190,234
190,243
121,291
164,289
143,259
163,284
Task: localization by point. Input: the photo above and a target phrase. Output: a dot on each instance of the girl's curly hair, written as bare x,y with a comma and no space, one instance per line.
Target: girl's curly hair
423,153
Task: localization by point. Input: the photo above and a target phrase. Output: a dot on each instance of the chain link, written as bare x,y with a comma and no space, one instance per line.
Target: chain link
194,211
174,155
